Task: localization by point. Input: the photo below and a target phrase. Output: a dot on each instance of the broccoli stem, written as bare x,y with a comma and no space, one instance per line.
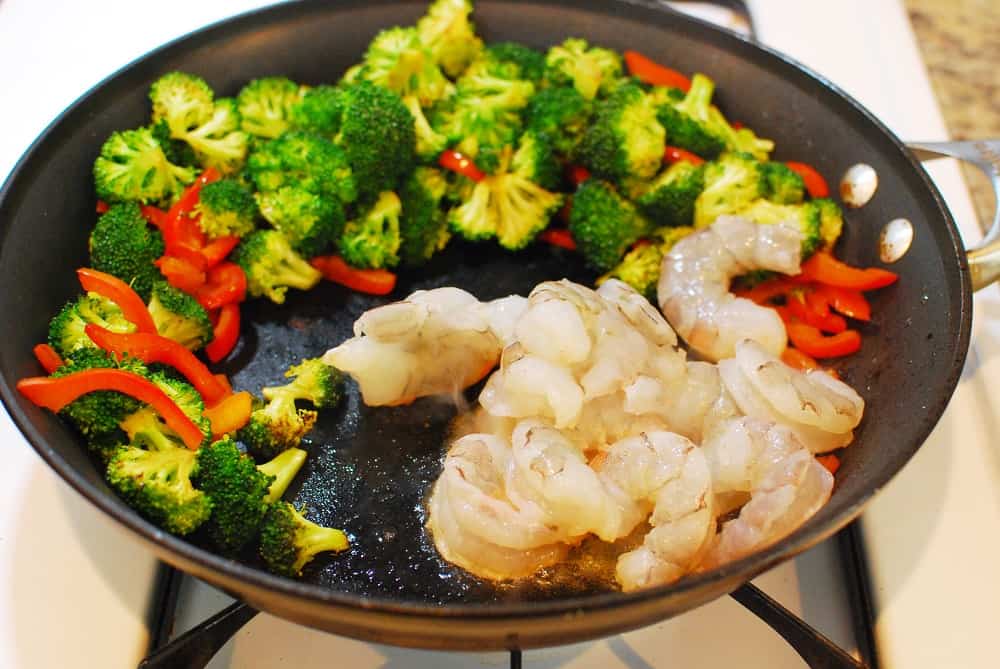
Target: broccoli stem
283,468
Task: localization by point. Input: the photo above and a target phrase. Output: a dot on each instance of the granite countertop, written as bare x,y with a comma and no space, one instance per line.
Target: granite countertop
960,44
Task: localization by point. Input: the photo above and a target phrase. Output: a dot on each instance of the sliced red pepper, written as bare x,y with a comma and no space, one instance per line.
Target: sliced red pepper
560,237
224,380
812,342
180,273
824,268
180,228
227,332
831,462
814,182
765,291
736,125
577,174
216,250
102,206
851,303
154,215
371,281
224,283
119,292
799,307
154,348
48,358
653,73
461,164
675,154
796,359
230,414
55,392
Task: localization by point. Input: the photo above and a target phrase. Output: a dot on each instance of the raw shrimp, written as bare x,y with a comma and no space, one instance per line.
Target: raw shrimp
434,342
821,410
786,484
693,291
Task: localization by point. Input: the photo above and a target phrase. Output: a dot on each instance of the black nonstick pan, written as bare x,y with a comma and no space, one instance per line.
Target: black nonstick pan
370,468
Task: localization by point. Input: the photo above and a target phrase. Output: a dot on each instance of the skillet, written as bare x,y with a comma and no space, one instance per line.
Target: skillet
369,469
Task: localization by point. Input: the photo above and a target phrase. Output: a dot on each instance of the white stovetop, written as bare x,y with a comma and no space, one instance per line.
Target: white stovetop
74,589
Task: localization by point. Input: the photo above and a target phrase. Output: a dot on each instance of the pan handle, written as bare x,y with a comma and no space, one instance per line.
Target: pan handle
984,259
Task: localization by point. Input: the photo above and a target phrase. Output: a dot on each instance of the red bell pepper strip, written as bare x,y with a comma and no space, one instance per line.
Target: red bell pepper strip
675,154
653,73
153,348
180,228
812,342
851,303
831,462
371,281
156,216
216,250
54,393
119,292
48,358
180,273
796,359
102,206
560,237
799,307
224,380
459,163
224,283
577,174
765,291
229,415
814,182
822,267
227,332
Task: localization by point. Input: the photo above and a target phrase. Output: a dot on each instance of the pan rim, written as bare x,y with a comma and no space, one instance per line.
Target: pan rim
750,566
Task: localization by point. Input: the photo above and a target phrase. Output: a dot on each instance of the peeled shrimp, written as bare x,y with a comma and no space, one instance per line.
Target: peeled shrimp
693,291
786,484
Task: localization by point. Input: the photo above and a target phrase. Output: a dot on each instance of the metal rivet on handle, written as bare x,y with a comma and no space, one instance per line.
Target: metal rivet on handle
895,240
858,185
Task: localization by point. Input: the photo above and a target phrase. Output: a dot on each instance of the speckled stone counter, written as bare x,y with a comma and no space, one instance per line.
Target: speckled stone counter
960,44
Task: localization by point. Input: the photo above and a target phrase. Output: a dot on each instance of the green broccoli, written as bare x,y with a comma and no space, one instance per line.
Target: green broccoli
423,224
276,426
449,35
319,111
689,123
177,151
781,184
185,101
429,142
272,266
132,167
592,71
311,223
97,415
640,268
219,142
240,491
562,114
288,542
743,140
226,207
372,240
529,63
265,105
123,245
625,140
378,138
669,199
731,183
397,60
179,317
145,427
313,381
535,160
66,329
306,161
805,217
604,224
157,484
831,221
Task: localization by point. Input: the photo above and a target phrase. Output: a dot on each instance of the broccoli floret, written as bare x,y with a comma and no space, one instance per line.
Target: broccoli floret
132,167
529,63
265,105
781,184
122,244
731,183
805,217
179,317
831,221
562,114
304,160
185,101
311,223
378,138
743,140
157,484
288,542
319,111
240,490
372,240
313,381
97,415
272,266
640,268
423,224
145,427
604,224
398,61
662,95
689,123
670,199
591,70
177,151
449,34
219,142
625,140
535,160
66,329
429,142
226,207
276,426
